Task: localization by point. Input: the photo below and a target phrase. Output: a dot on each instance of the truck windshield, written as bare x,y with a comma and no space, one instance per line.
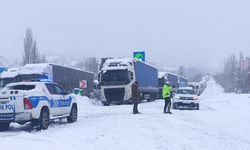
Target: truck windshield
115,77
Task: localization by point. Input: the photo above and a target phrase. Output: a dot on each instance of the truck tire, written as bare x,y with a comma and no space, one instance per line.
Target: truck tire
4,126
43,121
106,104
73,114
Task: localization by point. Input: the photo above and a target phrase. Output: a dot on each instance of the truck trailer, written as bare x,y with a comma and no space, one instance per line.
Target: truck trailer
68,78
118,75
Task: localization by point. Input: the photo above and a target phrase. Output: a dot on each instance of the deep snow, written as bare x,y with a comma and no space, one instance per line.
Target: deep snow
223,123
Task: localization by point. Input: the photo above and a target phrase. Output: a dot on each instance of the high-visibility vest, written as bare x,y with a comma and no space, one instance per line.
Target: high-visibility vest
166,90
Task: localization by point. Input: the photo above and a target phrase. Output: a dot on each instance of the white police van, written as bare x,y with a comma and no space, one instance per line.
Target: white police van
35,102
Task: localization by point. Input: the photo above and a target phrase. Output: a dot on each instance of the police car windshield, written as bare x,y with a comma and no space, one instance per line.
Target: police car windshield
185,91
22,87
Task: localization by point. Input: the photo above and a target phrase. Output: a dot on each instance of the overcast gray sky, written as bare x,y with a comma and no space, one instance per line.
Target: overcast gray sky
172,32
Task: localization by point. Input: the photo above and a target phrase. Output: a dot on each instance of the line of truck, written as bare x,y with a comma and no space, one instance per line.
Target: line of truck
115,79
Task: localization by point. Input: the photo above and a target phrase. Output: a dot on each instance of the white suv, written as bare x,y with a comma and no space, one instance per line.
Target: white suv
186,97
35,102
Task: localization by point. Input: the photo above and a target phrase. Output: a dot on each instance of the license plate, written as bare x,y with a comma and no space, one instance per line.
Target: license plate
7,116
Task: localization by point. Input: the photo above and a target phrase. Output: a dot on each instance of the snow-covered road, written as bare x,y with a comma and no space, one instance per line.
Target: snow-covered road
223,123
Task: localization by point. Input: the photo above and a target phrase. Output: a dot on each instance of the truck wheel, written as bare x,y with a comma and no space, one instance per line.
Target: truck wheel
4,126
73,114
43,121
106,104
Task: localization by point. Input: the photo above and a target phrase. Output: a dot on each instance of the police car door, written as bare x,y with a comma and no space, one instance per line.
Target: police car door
54,98
64,101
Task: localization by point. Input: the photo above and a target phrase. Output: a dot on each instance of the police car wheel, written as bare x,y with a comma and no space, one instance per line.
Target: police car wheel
73,115
43,123
4,126
198,107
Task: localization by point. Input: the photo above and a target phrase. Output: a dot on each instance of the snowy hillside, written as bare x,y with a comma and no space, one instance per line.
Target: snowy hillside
222,124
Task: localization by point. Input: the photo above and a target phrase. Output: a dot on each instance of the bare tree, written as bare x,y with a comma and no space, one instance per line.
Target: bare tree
31,53
91,64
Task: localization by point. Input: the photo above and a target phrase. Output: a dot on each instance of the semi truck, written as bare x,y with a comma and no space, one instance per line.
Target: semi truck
183,82
118,75
68,78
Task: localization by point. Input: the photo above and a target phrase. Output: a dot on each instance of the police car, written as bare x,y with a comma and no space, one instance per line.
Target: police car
186,97
35,102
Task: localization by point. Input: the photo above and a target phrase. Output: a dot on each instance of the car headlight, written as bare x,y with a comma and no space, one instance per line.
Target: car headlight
195,98
177,97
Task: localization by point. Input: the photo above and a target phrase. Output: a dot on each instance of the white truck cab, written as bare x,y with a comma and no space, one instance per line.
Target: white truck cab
35,102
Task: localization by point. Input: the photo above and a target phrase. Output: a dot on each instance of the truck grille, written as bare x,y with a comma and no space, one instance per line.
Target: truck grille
114,95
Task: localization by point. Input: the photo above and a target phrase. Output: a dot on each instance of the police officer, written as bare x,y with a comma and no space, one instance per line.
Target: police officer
166,94
135,97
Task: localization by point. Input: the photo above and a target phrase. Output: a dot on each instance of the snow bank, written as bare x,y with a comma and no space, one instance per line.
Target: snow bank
221,124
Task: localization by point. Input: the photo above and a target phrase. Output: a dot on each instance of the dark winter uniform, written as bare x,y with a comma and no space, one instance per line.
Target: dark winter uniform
135,97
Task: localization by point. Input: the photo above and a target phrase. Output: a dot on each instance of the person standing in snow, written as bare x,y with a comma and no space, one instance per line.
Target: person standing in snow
135,97
166,94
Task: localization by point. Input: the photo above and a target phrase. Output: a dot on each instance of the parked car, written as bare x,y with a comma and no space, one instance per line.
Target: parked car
35,102
186,97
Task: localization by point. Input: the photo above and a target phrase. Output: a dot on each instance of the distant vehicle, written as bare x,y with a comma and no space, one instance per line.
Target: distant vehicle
118,75
35,102
186,97
68,78
183,82
196,86
174,80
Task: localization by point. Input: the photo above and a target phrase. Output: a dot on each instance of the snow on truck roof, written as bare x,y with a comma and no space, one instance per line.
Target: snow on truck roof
161,74
120,63
39,68
35,69
9,73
